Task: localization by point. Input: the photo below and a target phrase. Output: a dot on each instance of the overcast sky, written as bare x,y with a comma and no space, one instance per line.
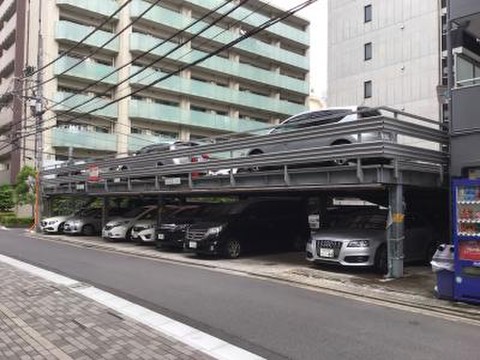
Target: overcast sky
317,14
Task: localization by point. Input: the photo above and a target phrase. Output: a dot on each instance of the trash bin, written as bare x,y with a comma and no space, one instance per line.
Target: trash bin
443,267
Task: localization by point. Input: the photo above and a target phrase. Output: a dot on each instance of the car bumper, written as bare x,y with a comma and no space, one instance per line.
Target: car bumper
172,240
202,247
146,236
72,230
50,229
117,233
346,256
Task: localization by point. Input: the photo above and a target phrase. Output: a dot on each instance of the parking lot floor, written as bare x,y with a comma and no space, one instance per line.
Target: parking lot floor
42,319
415,289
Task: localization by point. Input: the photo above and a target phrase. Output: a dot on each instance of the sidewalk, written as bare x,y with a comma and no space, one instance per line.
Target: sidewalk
40,319
414,290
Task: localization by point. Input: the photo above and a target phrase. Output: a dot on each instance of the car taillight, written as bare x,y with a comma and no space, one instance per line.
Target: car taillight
205,156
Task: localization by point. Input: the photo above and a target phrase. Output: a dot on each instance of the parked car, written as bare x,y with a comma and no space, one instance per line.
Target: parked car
88,222
172,231
316,118
121,228
255,224
54,224
143,230
360,239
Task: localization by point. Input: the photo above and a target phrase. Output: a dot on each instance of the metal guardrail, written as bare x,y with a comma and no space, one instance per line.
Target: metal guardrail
145,166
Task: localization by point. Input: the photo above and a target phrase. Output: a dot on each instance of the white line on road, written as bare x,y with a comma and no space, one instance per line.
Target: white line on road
190,336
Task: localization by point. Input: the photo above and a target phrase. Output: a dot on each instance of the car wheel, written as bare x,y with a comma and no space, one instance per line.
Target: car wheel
60,228
381,260
88,230
233,249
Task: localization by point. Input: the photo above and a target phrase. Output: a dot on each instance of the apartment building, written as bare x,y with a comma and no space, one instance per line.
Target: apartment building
384,52
260,81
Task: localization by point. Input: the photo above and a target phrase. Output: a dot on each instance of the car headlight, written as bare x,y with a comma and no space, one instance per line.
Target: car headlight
358,243
181,227
214,231
52,222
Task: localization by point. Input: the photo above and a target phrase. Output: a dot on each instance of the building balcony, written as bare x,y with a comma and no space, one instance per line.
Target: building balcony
215,93
6,8
175,115
255,19
7,58
95,8
87,70
69,137
8,29
6,116
142,43
253,47
74,33
77,99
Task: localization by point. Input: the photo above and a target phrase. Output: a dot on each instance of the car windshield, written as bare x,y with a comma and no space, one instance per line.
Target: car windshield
219,211
182,214
89,212
376,221
313,118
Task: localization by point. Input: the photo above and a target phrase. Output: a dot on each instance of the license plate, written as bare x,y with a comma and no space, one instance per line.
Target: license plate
160,236
328,253
192,245
173,181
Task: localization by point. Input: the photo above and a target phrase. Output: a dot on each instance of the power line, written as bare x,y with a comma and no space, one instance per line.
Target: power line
96,50
146,53
97,28
150,50
247,34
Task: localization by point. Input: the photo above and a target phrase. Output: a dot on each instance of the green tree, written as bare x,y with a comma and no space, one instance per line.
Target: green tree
25,186
6,198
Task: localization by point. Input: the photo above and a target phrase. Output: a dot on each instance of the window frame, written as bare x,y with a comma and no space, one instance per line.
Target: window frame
367,51
367,13
367,89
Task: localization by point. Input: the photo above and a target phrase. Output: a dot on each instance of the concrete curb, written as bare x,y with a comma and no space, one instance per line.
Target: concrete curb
452,310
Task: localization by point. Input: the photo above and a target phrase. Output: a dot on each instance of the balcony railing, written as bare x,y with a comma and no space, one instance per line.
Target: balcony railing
86,70
69,137
171,114
215,93
95,7
68,31
77,99
254,47
142,43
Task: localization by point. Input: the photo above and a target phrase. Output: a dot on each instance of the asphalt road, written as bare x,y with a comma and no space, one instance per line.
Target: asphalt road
270,319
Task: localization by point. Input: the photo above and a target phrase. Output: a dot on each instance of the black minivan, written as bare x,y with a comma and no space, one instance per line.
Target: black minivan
249,225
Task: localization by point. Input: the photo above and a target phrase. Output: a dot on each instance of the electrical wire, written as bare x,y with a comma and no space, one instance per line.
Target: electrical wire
97,28
97,49
247,34
146,53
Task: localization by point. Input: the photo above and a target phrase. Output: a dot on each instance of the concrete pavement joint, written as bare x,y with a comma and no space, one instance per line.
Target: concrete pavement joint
188,335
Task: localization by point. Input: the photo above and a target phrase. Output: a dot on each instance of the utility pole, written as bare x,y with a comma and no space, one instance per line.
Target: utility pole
38,112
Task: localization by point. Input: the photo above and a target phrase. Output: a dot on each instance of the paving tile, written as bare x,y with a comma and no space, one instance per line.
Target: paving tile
54,322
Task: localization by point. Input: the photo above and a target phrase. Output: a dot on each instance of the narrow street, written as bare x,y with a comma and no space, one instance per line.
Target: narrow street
273,320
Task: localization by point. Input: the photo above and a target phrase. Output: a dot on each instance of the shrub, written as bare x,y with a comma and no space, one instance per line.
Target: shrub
13,221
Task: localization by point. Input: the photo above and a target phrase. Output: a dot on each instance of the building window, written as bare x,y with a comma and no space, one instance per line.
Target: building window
367,12
367,51
367,89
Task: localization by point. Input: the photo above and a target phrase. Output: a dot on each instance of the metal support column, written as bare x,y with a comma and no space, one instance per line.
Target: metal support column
160,210
395,231
105,210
